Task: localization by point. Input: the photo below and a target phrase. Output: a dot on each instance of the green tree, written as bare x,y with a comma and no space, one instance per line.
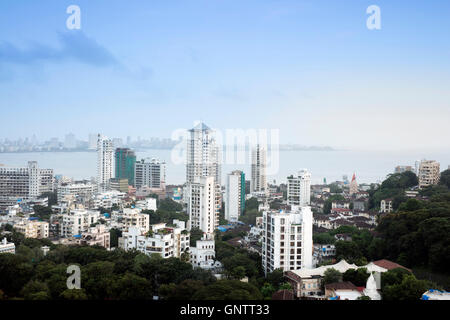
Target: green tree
445,178
36,290
196,234
75,294
409,289
267,290
132,287
115,234
228,290
331,275
358,277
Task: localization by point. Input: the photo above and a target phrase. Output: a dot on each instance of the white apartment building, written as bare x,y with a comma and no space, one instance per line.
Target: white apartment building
299,189
17,184
386,206
203,254
202,154
167,241
77,221
107,199
33,228
7,247
134,218
150,173
105,162
96,236
287,239
147,204
234,195
83,191
202,205
429,173
258,182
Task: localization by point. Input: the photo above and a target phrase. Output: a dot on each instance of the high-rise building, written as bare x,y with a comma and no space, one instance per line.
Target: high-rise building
83,191
401,169
299,189
125,160
70,142
92,143
150,173
28,183
105,162
353,185
202,154
287,239
235,195
202,204
429,173
258,182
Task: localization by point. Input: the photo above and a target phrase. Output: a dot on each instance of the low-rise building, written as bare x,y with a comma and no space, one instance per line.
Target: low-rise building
77,221
132,217
7,247
386,206
96,236
33,228
167,241
203,254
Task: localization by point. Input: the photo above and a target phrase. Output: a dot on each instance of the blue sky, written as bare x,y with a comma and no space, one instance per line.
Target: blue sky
309,68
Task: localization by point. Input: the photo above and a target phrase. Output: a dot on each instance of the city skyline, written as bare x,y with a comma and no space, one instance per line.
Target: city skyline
296,61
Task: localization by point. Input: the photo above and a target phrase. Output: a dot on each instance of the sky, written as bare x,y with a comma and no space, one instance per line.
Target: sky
311,69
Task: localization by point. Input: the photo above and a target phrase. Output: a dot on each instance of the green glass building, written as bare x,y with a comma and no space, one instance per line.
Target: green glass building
125,162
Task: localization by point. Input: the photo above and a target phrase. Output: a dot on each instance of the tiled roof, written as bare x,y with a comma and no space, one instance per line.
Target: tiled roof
283,295
341,286
389,264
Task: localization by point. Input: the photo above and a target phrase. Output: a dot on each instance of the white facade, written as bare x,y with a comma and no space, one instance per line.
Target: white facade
287,240
77,221
203,254
134,218
299,189
234,198
83,190
203,208
105,162
258,182
163,240
107,199
24,183
202,154
7,247
147,204
150,173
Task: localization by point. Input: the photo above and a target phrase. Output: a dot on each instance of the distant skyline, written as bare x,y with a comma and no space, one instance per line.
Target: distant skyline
309,68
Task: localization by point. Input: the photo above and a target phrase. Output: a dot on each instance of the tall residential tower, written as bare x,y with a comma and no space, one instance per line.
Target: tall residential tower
258,182
105,163
234,195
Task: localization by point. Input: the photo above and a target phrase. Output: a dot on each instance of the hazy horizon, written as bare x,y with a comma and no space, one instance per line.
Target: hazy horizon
311,69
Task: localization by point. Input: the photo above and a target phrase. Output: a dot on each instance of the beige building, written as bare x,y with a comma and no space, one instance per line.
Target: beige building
134,218
96,236
33,229
429,173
